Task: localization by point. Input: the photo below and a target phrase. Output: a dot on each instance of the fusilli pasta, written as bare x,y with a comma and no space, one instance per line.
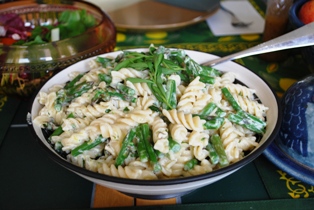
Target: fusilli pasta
152,117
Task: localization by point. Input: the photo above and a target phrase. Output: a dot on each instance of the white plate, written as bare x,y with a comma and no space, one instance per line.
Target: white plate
147,15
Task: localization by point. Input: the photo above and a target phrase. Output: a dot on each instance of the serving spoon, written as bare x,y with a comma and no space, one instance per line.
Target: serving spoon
301,37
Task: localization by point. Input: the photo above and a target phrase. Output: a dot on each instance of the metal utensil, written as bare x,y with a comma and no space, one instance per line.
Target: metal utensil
235,21
300,37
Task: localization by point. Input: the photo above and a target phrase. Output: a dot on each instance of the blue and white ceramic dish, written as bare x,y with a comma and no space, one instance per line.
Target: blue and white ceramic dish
293,150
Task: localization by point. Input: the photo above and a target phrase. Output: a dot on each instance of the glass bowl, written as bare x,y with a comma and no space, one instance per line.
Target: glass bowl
23,69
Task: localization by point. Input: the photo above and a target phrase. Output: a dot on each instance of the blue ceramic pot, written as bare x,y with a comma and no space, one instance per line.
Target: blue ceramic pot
297,129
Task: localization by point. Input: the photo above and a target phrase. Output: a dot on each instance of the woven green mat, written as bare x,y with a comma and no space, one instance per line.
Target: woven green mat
279,184
8,108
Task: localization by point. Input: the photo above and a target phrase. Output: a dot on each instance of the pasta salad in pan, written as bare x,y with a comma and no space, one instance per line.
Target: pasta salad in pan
151,115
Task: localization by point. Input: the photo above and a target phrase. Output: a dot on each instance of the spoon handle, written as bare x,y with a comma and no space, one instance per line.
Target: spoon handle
300,37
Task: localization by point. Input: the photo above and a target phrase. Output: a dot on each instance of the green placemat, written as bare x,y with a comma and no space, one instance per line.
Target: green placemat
281,185
280,204
8,108
234,187
29,179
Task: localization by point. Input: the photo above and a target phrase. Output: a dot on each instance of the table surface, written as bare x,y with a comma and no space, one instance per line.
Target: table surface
30,180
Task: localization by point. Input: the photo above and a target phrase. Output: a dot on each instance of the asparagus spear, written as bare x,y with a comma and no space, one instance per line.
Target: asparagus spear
207,79
141,149
72,83
105,62
60,100
230,99
125,90
87,145
218,146
214,123
207,74
106,95
105,78
208,109
243,118
79,89
124,152
247,122
56,132
171,94
173,145
66,95
190,164
150,150
213,155
58,147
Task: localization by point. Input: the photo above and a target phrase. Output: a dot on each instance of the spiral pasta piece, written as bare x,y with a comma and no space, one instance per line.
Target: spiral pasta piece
190,122
48,112
65,134
72,124
41,120
247,143
84,99
131,172
173,164
241,90
226,78
140,116
84,161
146,101
92,75
109,118
178,132
197,138
188,98
203,168
116,103
160,135
73,74
184,155
227,132
93,64
201,101
122,74
180,91
166,166
74,140
216,95
55,88
140,88
230,139
133,118
89,111
110,131
200,152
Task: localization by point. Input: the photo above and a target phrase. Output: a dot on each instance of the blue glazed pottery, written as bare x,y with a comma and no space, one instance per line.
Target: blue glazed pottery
293,149
298,117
